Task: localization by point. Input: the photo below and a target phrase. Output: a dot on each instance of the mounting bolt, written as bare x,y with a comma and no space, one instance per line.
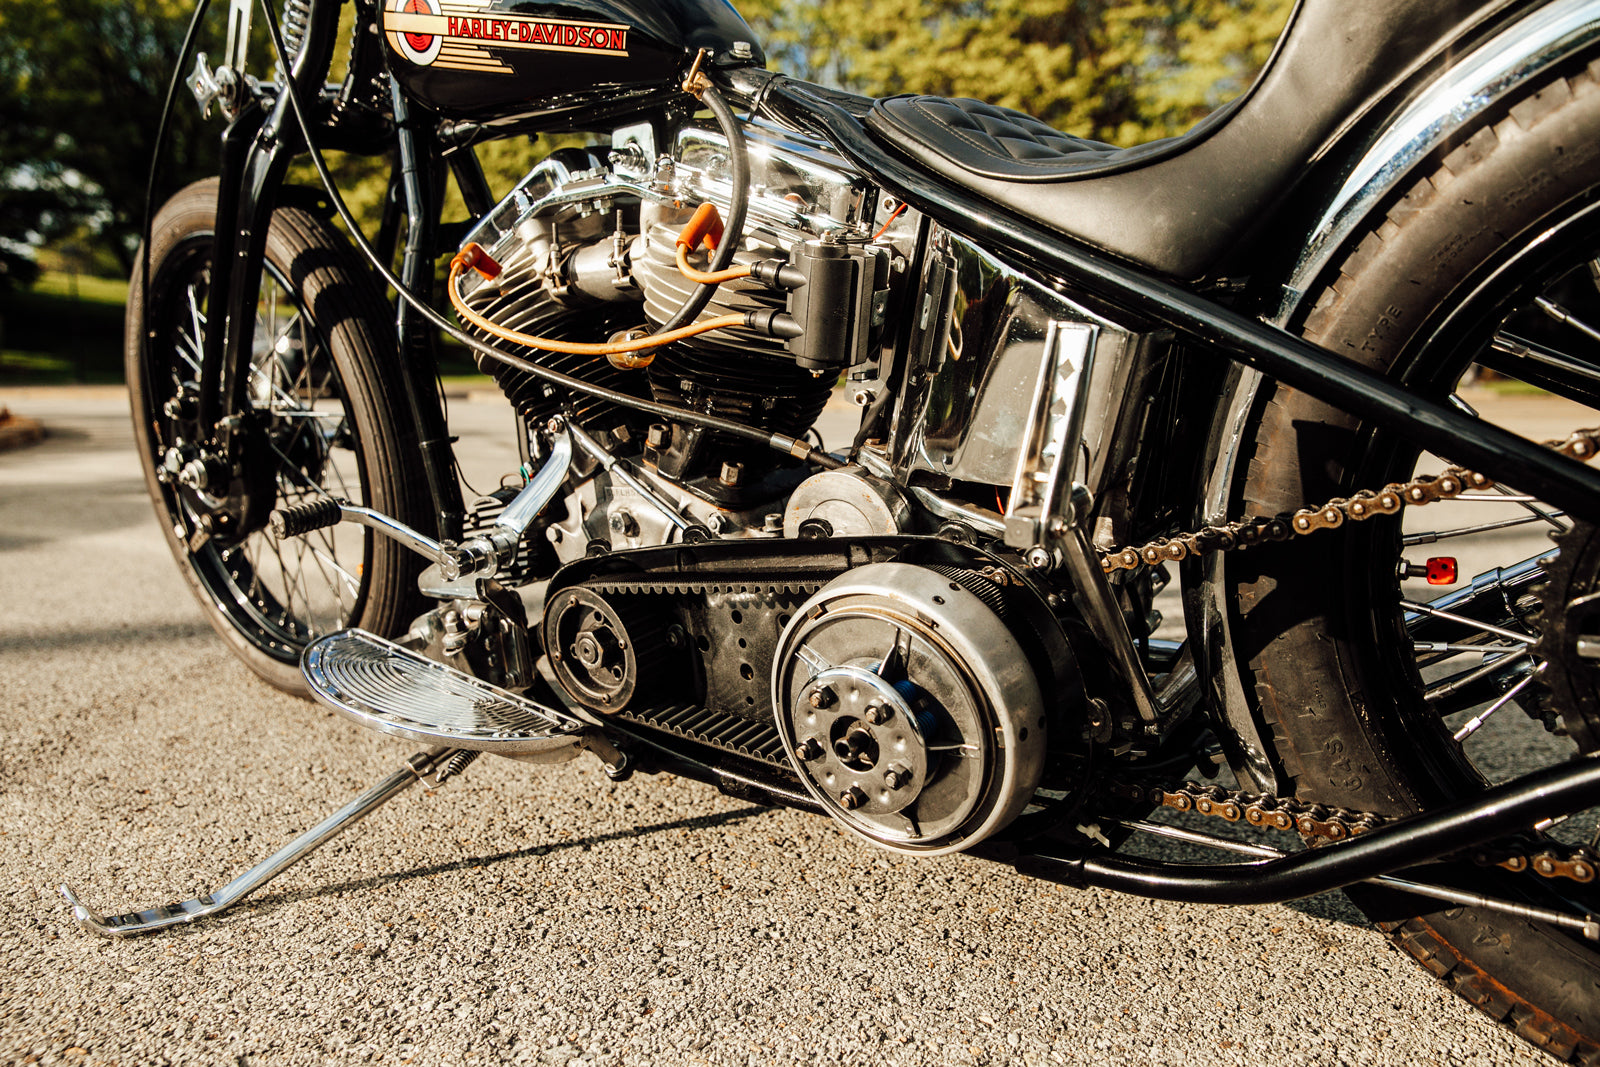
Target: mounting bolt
1039,558
743,50
852,798
658,435
895,777
877,714
732,473
194,474
821,697
624,524
808,749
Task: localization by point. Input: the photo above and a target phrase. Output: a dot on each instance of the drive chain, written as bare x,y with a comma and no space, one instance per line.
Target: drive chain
1246,533
1523,852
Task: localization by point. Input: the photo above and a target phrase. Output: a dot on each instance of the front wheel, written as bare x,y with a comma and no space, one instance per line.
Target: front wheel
1367,696
317,421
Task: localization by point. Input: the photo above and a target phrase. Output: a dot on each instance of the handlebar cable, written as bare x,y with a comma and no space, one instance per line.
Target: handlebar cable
162,129
792,446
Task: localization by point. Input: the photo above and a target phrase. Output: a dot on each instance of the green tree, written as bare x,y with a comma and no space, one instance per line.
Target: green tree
1123,71
81,88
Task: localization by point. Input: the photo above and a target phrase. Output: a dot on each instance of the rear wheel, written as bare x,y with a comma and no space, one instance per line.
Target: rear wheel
1491,261
319,422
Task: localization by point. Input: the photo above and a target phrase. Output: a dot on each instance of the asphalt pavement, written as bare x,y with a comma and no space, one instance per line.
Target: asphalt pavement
545,915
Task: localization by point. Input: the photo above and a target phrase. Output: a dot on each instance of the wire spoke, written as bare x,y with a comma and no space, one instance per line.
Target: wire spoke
1536,510
1476,722
1432,536
1565,317
1477,624
1454,684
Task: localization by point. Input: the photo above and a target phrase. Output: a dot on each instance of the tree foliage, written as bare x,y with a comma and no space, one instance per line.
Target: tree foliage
1123,71
82,84
81,88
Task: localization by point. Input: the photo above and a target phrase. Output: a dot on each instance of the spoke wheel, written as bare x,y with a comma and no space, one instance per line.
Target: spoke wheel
1377,692
316,421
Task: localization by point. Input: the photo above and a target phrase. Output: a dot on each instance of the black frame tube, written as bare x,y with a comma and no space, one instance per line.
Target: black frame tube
1495,813
778,442
1328,377
415,145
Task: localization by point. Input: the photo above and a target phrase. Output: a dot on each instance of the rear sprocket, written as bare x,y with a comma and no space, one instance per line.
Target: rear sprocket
1569,641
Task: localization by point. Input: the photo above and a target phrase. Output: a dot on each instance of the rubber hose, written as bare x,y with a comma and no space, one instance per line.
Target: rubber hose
733,226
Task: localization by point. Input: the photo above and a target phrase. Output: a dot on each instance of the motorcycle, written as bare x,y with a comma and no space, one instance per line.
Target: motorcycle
1235,357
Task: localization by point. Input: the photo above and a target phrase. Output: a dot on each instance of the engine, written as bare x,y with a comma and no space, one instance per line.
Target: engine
911,697
587,247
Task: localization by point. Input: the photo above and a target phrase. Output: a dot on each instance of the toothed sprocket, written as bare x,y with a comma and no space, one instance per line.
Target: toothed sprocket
1569,639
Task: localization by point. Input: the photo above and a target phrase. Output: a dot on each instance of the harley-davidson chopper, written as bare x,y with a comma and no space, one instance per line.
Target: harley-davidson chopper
1232,357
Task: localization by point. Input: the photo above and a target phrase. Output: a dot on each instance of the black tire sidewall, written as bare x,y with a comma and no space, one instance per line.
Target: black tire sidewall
350,317
1315,652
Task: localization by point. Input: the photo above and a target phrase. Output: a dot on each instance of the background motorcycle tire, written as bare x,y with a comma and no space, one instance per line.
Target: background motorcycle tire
1316,627
325,373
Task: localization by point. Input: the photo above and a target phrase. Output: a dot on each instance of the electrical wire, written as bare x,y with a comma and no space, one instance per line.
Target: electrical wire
711,278
162,129
575,348
780,442
739,203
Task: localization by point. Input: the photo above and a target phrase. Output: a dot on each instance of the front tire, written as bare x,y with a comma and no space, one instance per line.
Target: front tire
322,369
1505,219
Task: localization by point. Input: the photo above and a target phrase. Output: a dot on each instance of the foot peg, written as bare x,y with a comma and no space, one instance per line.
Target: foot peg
433,767
393,690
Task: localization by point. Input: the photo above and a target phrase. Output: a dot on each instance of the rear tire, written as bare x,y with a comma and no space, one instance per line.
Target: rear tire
322,374
1509,214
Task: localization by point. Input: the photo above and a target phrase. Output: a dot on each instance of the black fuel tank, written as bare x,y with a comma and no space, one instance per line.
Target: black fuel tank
481,59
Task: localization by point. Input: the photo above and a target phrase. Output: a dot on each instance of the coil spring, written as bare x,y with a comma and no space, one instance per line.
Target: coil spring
455,765
295,21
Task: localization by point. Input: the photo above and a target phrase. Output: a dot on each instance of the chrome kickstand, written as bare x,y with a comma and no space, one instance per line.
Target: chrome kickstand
439,763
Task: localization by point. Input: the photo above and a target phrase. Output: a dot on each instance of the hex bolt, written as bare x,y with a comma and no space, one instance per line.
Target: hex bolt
658,435
808,749
624,524
821,697
732,473
852,798
895,777
743,50
877,714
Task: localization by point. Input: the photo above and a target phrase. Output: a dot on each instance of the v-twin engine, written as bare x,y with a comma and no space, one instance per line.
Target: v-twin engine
588,242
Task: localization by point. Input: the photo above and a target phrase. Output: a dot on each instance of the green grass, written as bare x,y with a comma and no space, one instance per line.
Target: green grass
110,291
50,336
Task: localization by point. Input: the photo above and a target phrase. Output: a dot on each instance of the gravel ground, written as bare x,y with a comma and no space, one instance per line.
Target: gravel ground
545,915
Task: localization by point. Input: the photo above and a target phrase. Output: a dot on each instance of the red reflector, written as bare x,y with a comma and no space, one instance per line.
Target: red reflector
1442,570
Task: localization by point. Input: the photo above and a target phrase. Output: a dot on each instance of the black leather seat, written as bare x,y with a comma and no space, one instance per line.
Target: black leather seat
1178,205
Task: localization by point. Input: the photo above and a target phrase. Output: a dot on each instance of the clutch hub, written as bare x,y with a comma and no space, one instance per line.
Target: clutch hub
909,708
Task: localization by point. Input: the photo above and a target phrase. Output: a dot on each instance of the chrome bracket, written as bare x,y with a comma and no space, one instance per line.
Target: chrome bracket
432,766
1037,515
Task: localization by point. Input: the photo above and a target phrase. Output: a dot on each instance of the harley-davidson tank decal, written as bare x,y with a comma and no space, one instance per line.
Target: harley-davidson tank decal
465,34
